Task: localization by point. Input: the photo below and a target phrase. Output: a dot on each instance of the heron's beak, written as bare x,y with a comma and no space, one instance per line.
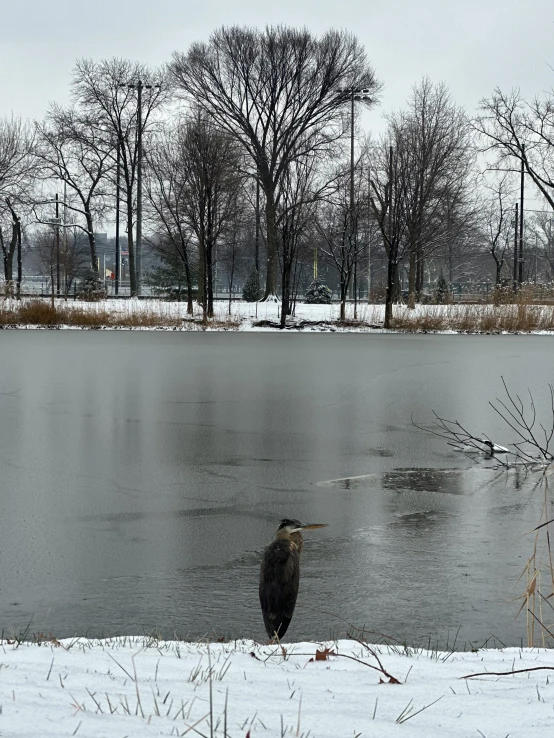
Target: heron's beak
311,526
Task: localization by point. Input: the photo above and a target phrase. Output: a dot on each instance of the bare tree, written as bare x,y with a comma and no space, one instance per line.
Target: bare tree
231,250
9,249
74,149
275,91
200,188
106,91
17,169
73,256
438,156
166,191
301,188
338,228
388,198
541,223
498,223
520,132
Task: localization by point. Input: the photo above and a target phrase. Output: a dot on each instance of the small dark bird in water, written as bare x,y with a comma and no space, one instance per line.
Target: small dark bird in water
280,576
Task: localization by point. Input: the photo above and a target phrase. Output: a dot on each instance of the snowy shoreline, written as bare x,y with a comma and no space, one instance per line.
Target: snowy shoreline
264,317
139,686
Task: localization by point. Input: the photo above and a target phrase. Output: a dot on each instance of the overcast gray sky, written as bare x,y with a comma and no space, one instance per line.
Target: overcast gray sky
472,45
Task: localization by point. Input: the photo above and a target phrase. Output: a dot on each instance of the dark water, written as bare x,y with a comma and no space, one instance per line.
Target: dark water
141,475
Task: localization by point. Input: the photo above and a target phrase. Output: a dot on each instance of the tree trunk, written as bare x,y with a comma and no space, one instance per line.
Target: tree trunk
131,250
343,292
190,308
499,264
285,287
92,243
391,286
419,272
201,291
9,252
209,279
231,277
19,262
272,244
412,280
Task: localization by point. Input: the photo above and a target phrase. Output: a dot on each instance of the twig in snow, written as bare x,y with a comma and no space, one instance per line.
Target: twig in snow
508,673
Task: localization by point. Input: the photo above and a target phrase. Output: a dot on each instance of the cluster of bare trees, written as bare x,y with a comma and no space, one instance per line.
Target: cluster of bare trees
421,186
254,121
17,173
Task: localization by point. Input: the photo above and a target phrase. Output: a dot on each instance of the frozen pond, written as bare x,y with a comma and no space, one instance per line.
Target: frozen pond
142,474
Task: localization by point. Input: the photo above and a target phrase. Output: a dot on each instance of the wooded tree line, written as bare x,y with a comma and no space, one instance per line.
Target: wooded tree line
250,161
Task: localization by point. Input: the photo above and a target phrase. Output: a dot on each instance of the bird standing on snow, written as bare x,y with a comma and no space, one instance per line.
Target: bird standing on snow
280,576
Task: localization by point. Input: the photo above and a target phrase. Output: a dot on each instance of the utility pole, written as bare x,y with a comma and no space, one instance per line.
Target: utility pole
536,252
57,245
516,224
353,229
353,94
64,219
352,219
117,205
369,237
139,189
19,262
522,184
257,237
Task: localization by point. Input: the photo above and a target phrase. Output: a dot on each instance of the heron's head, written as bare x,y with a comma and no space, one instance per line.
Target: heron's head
486,442
289,526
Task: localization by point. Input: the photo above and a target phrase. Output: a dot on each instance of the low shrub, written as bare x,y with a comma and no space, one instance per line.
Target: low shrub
38,312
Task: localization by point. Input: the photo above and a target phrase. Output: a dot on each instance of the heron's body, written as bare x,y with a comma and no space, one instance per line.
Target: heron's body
280,577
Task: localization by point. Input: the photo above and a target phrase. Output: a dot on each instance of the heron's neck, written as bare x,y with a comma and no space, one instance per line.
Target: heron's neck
295,538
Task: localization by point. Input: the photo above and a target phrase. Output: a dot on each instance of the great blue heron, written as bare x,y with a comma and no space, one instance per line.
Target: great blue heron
280,575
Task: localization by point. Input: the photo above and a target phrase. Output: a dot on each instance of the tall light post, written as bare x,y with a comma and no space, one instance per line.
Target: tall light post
117,206
353,94
57,245
369,237
521,196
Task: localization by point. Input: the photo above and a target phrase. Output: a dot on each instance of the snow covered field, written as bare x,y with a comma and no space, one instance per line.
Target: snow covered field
142,687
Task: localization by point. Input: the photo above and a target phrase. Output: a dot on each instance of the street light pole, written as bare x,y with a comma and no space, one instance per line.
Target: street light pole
139,189
516,224
369,237
353,93
257,237
57,245
117,206
522,185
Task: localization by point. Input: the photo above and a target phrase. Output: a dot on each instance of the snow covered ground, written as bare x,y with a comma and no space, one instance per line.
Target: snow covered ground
143,687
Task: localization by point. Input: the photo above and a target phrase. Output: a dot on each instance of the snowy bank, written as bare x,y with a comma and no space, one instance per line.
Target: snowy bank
150,314
144,687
